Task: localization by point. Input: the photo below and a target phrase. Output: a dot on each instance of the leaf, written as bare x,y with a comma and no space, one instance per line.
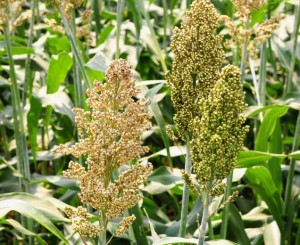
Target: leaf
57,71
30,211
98,63
33,124
153,91
105,33
295,154
237,225
155,188
267,127
150,82
272,234
255,110
175,151
56,180
252,158
58,44
274,164
59,101
18,51
44,206
180,240
163,176
262,182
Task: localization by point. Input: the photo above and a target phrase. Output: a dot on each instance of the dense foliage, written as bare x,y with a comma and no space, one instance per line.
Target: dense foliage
189,64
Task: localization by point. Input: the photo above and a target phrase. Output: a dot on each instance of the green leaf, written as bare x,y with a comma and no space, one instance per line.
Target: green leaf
30,211
57,45
33,124
105,33
260,175
45,207
137,18
153,91
97,63
262,182
59,101
237,225
162,175
274,164
18,51
56,180
57,72
271,203
252,158
267,127
180,240
255,110
295,154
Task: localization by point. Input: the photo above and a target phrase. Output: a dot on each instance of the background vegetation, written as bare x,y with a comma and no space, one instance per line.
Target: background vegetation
41,71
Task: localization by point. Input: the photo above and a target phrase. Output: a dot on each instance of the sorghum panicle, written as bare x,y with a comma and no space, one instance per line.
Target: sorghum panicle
218,133
198,55
208,104
110,137
241,32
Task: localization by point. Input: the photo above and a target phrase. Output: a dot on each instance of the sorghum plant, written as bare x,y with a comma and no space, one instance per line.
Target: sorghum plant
110,137
246,37
208,104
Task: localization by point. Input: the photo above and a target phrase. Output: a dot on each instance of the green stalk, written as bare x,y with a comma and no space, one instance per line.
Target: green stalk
137,226
75,48
102,223
289,184
210,230
271,57
185,196
166,21
244,52
156,47
28,59
288,87
76,73
120,7
19,132
204,216
97,8
3,134
262,75
225,217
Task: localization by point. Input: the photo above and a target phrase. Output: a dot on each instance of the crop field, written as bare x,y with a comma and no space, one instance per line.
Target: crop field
150,122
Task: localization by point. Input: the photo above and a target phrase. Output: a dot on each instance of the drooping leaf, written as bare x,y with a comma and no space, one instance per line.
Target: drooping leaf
253,158
30,211
267,127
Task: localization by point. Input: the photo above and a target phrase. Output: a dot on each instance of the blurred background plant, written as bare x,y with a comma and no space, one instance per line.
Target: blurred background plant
45,70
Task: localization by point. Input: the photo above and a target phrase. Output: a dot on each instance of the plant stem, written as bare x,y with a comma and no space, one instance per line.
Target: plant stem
102,223
97,9
185,196
19,132
289,82
75,48
224,226
244,52
28,59
120,7
166,21
210,229
156,47
262,75
289,184
204,216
